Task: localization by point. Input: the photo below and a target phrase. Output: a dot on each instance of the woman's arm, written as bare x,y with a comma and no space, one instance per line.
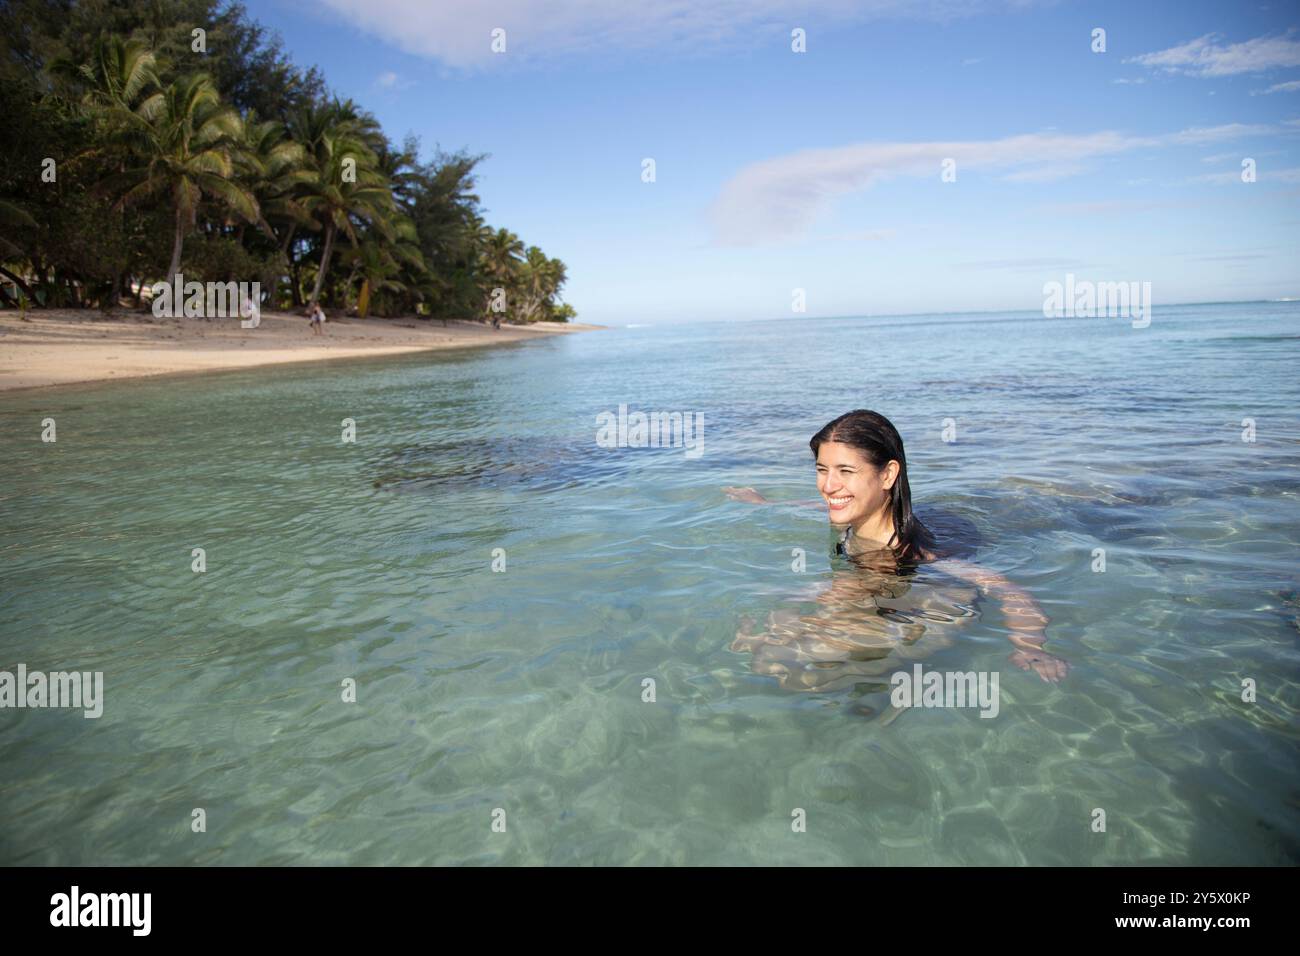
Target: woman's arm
1022,615
750,496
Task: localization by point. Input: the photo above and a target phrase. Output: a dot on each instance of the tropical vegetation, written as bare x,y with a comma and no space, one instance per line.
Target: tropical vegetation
146,138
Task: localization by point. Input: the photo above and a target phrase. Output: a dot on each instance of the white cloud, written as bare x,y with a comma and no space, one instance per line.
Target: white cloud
388,80
1204,56
1215,134
1291,87
779,199
458,33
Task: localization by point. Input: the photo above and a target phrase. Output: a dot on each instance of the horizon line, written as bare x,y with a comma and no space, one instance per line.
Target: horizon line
905,315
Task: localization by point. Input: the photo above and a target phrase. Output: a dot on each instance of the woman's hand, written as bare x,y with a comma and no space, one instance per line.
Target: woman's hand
1025,620
1049,668
748,495
1029,654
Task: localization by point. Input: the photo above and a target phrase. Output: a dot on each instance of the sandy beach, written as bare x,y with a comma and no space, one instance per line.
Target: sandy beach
69,346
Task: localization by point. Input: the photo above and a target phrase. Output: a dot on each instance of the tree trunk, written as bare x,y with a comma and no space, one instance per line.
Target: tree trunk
177,245
324,262
286,257
41,283
363,299
27,291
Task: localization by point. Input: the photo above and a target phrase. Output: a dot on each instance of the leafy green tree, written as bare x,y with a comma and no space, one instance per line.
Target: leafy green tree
160,165
274,169
347,188
180,141
501,263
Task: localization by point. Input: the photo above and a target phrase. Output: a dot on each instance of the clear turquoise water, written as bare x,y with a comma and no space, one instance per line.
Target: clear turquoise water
522,690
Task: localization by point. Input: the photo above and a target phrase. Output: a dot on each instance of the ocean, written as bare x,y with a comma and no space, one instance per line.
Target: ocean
479,634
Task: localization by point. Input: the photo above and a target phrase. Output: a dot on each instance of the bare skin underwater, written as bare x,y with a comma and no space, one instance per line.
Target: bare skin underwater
872,621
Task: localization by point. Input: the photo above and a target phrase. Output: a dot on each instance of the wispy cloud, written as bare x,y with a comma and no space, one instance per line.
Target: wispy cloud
388,80
1205,56
459,33
1214,134
779,199
1292,86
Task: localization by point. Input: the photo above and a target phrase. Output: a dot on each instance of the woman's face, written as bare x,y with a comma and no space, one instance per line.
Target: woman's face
852,487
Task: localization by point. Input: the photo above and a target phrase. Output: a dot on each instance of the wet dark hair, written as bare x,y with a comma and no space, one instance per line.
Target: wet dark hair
878,440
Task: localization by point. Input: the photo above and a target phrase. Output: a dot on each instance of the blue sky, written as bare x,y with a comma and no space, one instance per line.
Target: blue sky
821,170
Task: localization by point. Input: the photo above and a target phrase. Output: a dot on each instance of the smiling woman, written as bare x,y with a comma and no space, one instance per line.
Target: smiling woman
862,477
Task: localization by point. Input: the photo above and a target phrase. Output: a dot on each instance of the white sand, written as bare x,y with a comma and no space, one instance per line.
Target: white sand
66,346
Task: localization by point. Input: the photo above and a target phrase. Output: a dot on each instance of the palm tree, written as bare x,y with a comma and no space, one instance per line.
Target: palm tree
119,72
536,279
541,281
377,268
273,167
179,140
347,188
559,274
500,260
400,167
404,247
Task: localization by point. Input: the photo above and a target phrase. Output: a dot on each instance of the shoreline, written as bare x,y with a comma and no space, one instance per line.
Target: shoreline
53,348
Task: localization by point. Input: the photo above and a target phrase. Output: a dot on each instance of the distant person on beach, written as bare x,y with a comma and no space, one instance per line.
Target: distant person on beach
862,478
317,319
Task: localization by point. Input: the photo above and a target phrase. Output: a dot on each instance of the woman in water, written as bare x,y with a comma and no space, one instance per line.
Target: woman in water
862,477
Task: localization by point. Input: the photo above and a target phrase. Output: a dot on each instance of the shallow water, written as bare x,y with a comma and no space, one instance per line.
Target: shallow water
522,690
